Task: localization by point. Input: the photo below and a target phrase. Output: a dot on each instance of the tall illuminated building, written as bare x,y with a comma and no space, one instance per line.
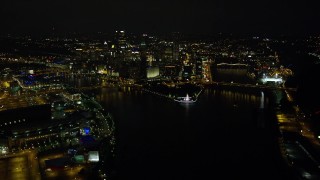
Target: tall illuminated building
120,44
143,58
198,67
175,46
119,48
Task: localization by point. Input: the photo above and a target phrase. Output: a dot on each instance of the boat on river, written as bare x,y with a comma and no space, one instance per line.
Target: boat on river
186,99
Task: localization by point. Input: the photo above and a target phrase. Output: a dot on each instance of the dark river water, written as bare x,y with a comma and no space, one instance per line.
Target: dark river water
221,136
218,137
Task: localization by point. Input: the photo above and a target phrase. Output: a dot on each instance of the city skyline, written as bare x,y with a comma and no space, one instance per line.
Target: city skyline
159,90
245,17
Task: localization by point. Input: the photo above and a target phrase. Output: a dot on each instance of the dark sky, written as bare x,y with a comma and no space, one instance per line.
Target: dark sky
152,16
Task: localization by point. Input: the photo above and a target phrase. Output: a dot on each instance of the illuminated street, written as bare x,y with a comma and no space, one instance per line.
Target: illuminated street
22,165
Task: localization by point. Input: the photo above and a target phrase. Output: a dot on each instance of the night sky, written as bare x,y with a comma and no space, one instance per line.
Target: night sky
153,16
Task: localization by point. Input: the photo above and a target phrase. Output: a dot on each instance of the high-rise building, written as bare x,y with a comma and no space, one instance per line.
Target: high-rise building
170,72
119,51
143,58
175,52
120,44
187,72
198,69
153,72
121,41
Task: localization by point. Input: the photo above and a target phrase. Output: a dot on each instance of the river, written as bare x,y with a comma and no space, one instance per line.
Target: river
219,136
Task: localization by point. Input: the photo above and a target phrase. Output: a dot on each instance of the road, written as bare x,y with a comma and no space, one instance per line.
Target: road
22,165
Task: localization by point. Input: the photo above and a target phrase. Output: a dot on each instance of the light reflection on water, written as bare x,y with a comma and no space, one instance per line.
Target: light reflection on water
199,138
150,126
